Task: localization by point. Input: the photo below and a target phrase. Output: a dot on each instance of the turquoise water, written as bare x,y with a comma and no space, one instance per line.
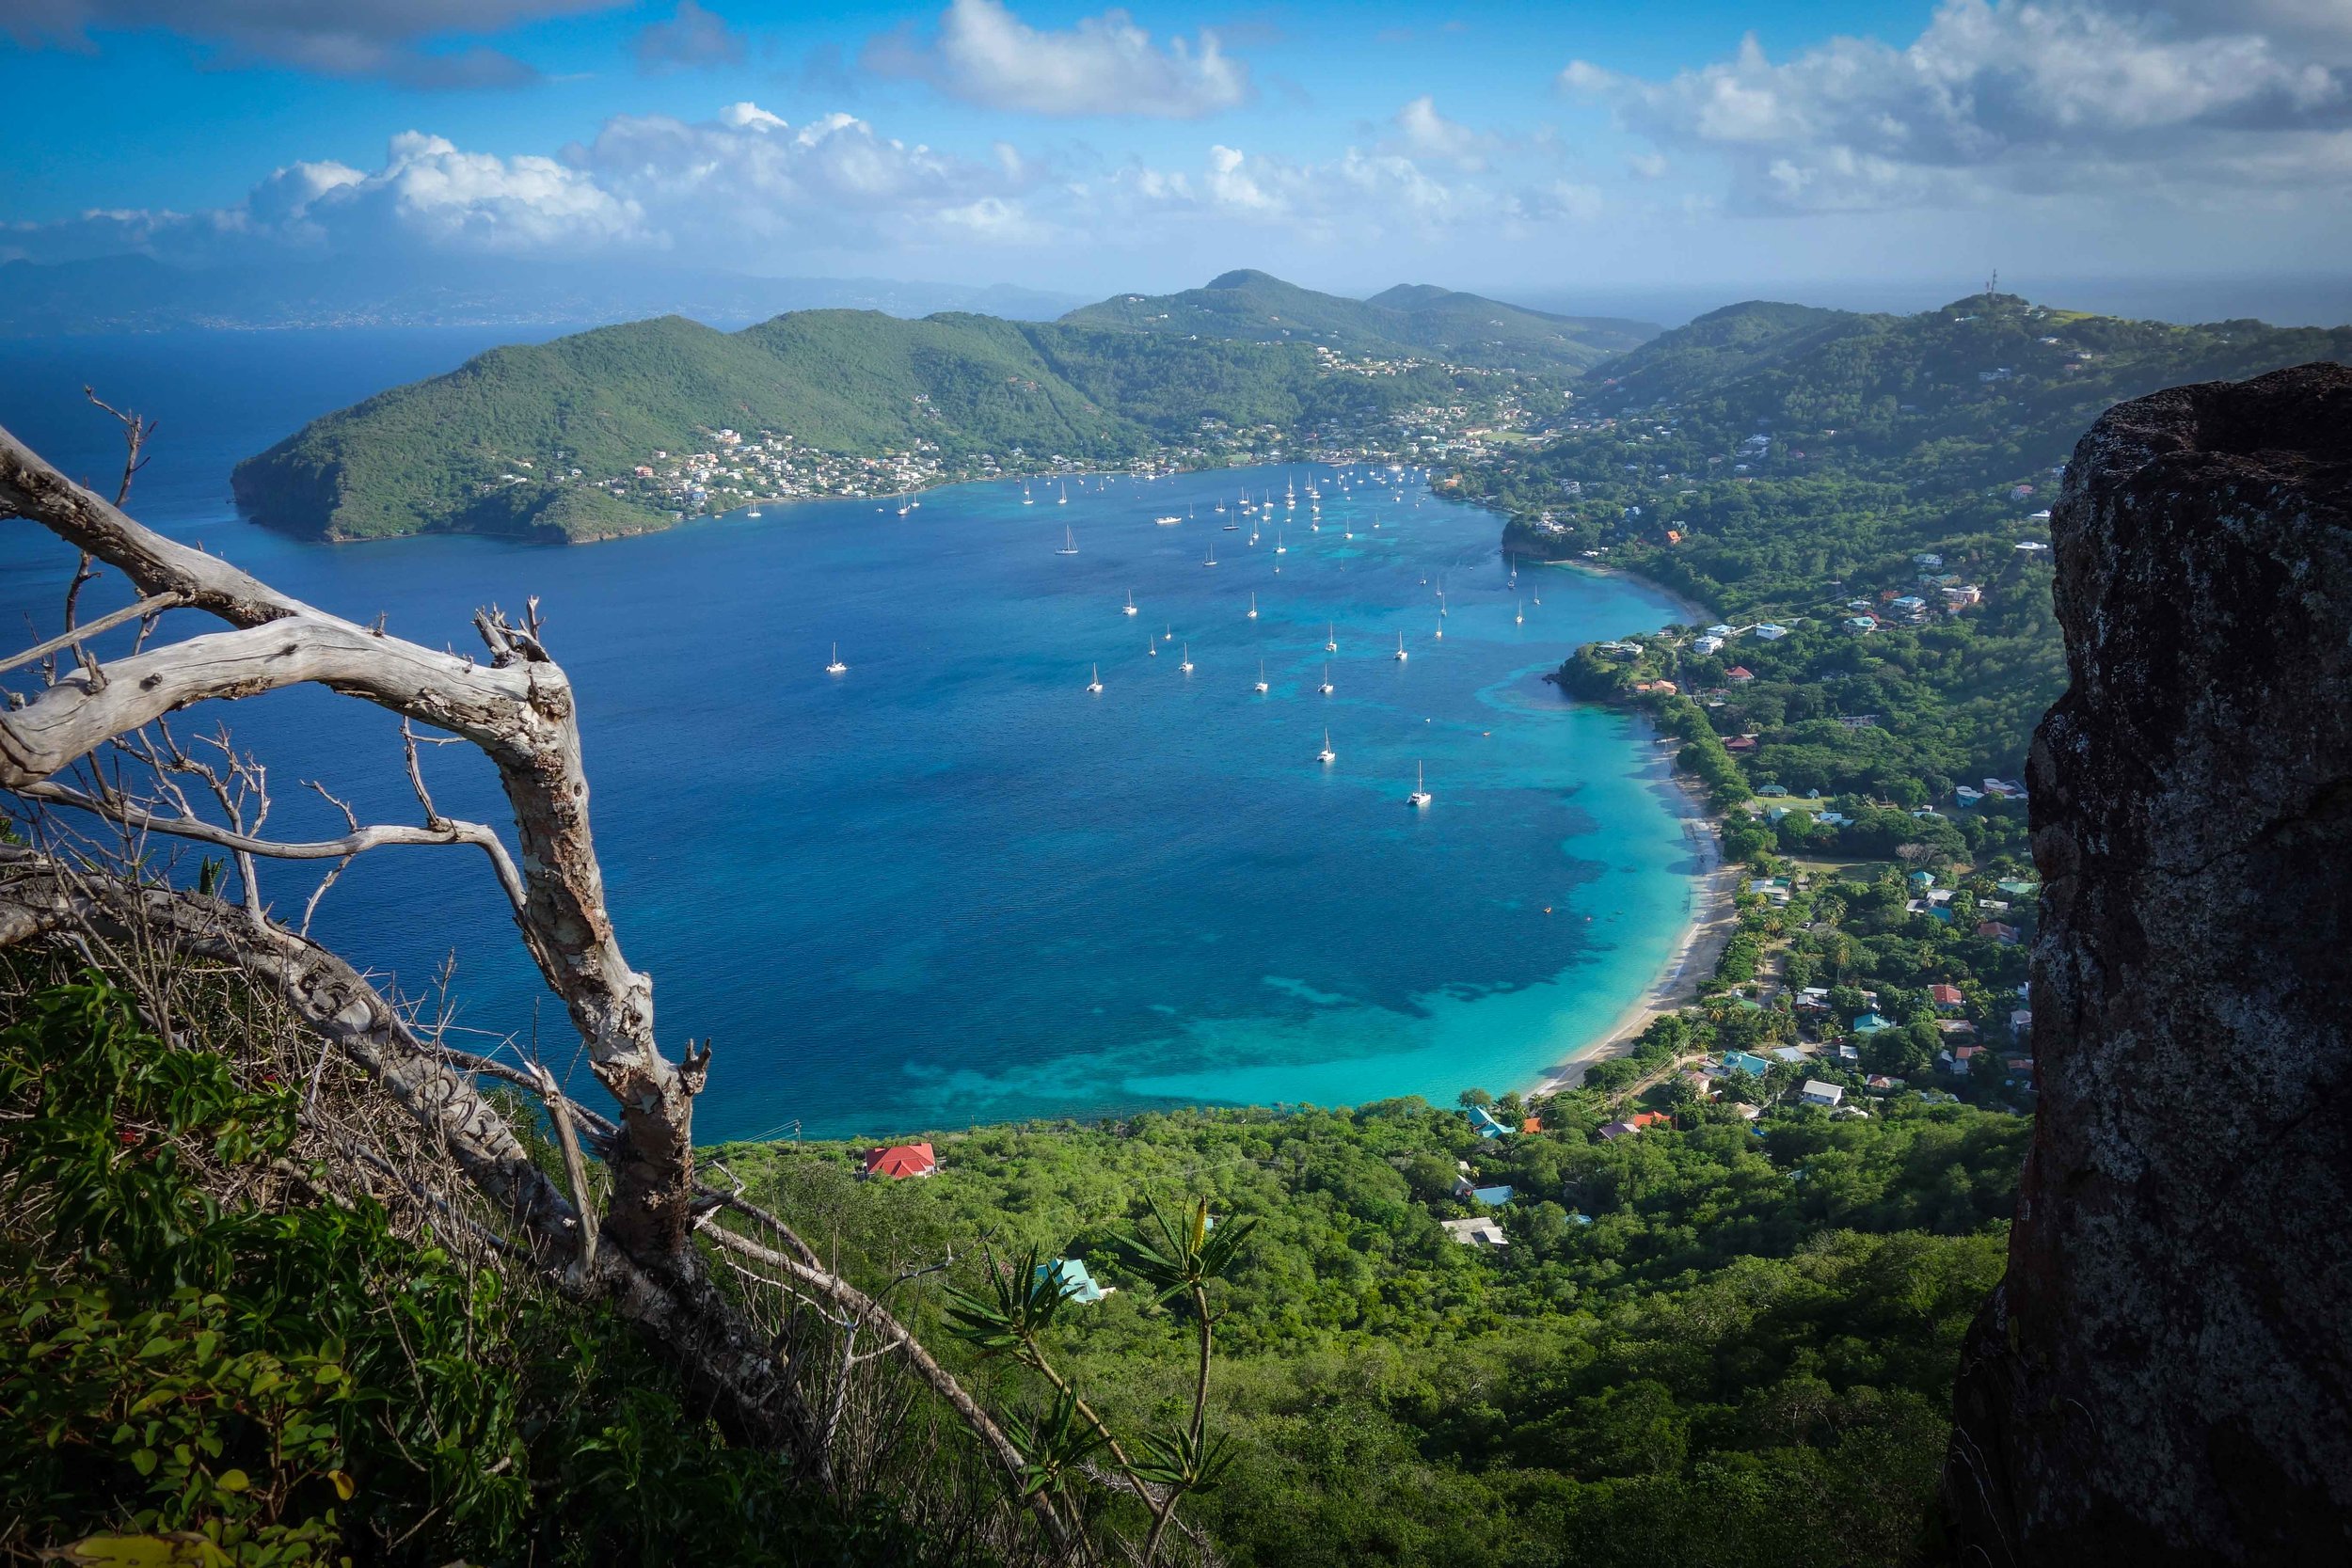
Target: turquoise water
951,885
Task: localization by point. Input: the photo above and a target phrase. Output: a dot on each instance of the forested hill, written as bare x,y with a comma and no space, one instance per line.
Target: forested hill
1863,499
627,428
1411,319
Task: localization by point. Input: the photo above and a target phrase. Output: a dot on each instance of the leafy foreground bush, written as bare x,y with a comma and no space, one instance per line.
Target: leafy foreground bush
206,1359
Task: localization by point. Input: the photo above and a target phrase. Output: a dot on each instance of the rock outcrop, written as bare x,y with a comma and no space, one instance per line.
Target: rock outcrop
2165,1373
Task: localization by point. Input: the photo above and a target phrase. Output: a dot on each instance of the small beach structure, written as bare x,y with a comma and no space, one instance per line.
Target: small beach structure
900,1161
1076,1283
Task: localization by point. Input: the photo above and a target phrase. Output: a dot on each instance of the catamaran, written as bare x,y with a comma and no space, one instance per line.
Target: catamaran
1187,666
1253,607
1130,607
1096,685
1331,637
1328,688
1326,754
1262,682
1401,654
1069,543
837,666
1419,797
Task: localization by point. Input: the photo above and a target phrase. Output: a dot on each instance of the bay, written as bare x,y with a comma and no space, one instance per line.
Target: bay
950,885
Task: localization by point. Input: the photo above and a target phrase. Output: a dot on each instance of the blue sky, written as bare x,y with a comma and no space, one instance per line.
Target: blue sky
1079,148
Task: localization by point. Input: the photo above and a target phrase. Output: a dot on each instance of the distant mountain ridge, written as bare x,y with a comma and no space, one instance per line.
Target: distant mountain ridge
137,294
1409,320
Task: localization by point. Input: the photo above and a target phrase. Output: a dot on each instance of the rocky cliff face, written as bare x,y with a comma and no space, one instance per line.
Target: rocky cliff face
2164,1376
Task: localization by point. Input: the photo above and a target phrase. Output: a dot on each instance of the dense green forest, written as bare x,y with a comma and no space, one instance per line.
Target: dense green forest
1715,1342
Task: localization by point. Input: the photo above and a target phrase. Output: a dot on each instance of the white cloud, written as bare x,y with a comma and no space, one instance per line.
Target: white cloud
1106,65
2013,96
724,192
1424,132
407,41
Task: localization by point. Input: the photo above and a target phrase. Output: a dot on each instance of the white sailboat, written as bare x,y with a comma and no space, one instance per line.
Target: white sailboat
1187,666
1151,648
1262,687
1401,654
1331,637
1167,632
1096,685
1441,631
1026,499
1069,543
1520,618
1211,560
1129,608
837,666
1326,754
1065,494
1419,797
1253,607
1328,688
1279,548
753,513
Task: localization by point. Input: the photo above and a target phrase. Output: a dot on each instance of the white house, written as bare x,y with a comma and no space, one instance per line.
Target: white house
1818,1093
1477,1232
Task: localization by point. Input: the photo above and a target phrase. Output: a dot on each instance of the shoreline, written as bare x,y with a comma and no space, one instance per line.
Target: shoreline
1692,958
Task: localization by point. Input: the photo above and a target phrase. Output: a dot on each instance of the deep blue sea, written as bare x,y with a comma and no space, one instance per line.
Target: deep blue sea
951,885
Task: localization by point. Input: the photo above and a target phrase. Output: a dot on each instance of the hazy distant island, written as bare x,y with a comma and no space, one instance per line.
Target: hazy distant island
630,428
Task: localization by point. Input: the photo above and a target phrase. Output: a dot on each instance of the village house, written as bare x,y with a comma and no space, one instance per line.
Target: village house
900,1161
1475,1232
1076,1283
1818,1093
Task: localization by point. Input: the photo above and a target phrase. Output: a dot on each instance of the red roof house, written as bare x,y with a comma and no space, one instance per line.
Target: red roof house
900,1161
1740,673
1945,996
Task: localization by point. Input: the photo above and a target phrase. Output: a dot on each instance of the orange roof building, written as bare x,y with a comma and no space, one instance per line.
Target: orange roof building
900,1161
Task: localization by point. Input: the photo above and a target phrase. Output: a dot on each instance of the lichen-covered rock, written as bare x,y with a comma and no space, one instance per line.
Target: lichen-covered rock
2164,1374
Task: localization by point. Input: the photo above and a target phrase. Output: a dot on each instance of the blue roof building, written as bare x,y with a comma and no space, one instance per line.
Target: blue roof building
1484,1124
1754,1067
1870,1023
1077,1284
1493,1197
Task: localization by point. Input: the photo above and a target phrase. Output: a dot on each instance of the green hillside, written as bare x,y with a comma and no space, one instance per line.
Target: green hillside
493,445
1802,468
1411,319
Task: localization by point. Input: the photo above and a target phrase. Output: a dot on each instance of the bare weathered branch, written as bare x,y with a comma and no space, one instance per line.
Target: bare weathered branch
73,637
517,709
358,841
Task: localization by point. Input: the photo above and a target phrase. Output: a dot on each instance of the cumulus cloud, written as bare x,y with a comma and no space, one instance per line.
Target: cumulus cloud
429,195
2016,96
690,39
413,42
725,191
981,52
753,176
1424,132
1360,196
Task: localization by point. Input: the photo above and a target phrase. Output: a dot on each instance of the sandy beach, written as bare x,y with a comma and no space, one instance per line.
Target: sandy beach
1692,958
